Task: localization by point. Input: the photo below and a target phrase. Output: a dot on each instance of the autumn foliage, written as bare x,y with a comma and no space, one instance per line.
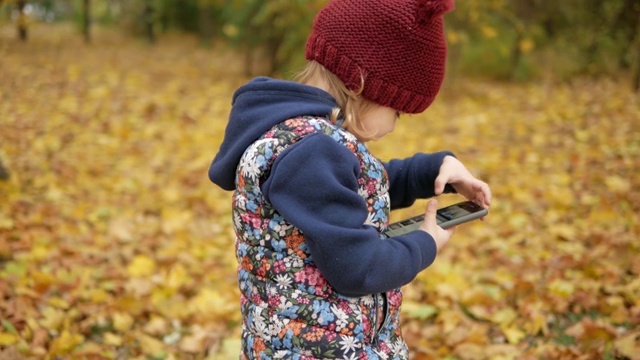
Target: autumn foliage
114,244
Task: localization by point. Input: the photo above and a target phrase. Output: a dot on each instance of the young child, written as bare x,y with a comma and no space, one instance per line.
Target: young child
317,279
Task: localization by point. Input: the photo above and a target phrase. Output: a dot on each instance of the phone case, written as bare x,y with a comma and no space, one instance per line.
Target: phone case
447,217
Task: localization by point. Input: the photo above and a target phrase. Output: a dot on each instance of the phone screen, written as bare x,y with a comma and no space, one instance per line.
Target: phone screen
458,210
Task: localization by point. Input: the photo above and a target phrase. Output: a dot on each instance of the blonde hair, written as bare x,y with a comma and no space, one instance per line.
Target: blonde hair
351,106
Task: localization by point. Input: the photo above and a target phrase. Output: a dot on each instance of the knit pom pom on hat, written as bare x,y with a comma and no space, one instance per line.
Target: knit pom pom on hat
427,9
393,51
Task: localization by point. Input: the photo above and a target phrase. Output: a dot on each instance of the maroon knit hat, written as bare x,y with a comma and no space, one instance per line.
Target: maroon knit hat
398,46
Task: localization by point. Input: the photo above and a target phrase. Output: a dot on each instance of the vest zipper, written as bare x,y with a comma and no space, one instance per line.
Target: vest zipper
377,328
374,333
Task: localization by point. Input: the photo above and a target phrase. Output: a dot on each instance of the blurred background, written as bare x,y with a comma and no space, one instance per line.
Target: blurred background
115,245
502,39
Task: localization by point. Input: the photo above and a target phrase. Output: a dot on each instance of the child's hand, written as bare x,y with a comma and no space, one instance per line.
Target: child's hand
453,172
430,225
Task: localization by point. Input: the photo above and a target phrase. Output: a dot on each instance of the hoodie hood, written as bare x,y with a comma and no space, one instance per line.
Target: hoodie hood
257,107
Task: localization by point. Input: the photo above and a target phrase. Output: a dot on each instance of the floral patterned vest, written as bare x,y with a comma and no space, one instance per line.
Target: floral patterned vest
289,309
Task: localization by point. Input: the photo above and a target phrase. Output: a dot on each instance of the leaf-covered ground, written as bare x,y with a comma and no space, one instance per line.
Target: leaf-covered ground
114,244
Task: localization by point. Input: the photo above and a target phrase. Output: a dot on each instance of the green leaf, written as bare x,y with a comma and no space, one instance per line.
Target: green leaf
9,327
418,311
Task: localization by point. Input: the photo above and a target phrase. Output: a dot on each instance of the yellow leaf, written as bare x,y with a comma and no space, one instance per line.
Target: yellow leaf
589,199
43,278
99,296
488,32
122,321
450,319
562,288
230,348
210,303
58,302
52,318
617,184
504,316
195,342
150,345
628,346
519,220
175,220
171,195
54,194
129,304
142,266
157,326
501,352
40,251
87,349
453,37
139,287
7,339
479,312
470,351
65,343
582,135
537,324
561,195
23,290
513,334
121,229
526,45
230,30
6,223
177,277
112,339
563,231
168,305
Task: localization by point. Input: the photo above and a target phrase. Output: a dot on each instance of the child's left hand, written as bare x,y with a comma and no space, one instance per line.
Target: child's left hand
453,172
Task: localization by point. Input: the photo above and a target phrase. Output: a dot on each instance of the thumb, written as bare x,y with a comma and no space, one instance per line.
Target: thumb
439,185
430,214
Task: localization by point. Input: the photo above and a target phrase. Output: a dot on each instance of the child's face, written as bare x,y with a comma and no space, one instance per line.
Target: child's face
379,121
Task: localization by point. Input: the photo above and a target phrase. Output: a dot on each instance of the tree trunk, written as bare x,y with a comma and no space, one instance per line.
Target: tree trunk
272,44
624,31
636,77
273,48
86,20
205,23
516,55
148,20
22,20
4,173
248,61
251,39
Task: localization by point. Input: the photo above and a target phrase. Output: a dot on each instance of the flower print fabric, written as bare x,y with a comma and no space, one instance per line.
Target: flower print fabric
290,311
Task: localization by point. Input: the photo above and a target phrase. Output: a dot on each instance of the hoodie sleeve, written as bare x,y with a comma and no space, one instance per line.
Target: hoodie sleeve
414,178
313,184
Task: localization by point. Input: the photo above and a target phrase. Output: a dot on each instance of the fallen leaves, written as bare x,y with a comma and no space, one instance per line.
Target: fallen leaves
113,244
560,244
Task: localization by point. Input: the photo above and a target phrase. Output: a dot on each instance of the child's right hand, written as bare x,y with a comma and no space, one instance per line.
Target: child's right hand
430,225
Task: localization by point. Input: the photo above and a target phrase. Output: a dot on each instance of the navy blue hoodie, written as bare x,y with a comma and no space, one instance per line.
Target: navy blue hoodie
313,184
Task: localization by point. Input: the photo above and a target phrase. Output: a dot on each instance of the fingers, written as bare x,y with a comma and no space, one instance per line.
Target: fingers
430,225
453,172
483,193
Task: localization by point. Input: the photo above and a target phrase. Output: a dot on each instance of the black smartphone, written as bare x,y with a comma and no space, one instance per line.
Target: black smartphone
447,217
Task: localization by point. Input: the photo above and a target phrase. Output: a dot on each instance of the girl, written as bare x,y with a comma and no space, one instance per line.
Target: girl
317,279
